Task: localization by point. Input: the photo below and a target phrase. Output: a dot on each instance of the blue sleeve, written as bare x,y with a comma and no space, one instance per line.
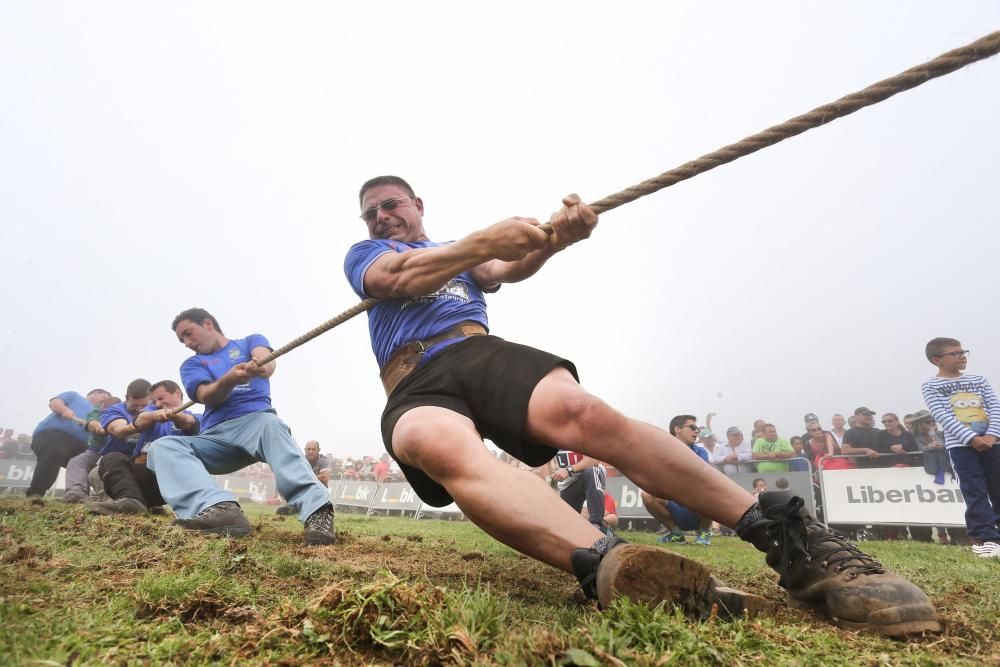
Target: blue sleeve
197,418
67,397
116,411
359,258
256,340
193,375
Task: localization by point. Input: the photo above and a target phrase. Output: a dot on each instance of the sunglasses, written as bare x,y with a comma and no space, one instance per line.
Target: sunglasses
370,214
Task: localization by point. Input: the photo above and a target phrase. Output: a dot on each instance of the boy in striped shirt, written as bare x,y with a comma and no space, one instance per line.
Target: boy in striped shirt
963,405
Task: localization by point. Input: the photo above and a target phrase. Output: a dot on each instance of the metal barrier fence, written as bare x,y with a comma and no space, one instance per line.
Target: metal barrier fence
895,496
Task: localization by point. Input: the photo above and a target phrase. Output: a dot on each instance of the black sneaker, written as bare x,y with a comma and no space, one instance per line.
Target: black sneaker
35,499
285,510
117,506
224,518
651,575
319,527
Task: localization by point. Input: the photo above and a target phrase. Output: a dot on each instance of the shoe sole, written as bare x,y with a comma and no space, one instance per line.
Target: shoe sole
651,575
894,622
220,531
317,538
104,511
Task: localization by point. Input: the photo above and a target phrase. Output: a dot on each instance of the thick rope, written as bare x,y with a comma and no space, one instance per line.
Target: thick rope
944,64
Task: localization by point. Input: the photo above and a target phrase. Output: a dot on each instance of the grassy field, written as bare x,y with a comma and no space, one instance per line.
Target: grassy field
79,589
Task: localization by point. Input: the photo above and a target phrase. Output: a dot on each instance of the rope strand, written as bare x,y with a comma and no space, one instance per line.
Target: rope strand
945,63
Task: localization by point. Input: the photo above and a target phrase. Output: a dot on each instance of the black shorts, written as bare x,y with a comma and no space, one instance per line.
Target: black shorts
489,381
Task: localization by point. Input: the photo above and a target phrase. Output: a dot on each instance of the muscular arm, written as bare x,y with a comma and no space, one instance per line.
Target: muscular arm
215,393
262,370
490,275
120,428
58,406
420,271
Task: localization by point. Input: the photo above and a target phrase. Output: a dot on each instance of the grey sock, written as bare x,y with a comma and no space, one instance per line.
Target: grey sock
750,517
601,545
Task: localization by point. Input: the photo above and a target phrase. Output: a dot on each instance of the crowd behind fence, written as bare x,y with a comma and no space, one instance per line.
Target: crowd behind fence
896,496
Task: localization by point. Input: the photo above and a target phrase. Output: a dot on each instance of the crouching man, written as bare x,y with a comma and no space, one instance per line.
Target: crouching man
127,481
239,428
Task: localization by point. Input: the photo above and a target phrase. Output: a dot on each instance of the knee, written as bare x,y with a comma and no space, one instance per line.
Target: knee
589,415
110,461
420,444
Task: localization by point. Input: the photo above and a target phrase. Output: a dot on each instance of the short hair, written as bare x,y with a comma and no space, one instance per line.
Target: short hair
782,483
891,414
137,389
169,386
771,426
794,438
95,391
383,180
936,346
678,421
759,479
196,315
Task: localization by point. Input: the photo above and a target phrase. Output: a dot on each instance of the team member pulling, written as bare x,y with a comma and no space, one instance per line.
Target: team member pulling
449,385
239,428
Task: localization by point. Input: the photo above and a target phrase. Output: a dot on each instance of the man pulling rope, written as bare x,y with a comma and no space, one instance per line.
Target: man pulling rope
450,384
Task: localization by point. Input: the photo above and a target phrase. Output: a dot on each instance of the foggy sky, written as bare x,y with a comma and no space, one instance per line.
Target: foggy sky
157,156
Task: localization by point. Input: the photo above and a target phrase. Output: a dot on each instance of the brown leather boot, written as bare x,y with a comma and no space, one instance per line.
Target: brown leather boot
651,575
821,570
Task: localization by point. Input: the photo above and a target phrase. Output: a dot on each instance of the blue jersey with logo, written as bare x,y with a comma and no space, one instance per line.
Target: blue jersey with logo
113,444
53,422
396,322
161,430
252,396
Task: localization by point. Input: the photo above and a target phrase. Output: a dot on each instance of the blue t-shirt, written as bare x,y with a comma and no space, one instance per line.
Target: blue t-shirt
700,451
160,430
113,444
53,422
396,322
252,396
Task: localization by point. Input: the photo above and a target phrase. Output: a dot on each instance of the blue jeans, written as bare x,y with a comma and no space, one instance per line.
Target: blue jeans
979,480
184,464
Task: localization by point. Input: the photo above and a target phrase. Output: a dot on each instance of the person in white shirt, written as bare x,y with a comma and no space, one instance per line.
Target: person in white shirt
735,456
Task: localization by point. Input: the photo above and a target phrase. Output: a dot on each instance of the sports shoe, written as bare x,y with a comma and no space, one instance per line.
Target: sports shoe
704,538
225,518
319,527
35,499
820,569
673,537
651,575
285,510
986,549
117,506
73,498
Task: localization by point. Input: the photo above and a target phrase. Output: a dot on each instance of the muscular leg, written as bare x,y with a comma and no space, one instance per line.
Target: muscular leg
531,518
562,414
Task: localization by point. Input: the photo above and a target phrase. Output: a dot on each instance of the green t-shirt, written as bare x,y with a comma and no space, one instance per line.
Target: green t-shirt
96,442
779,445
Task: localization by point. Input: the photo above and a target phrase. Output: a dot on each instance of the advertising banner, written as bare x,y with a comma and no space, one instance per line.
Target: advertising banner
245,488
16,473
395,496
626,494
352,493
886,496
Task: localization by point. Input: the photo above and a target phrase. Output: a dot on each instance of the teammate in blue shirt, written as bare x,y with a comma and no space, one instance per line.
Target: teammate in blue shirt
127,481
239,428
59,437
117,420
449,385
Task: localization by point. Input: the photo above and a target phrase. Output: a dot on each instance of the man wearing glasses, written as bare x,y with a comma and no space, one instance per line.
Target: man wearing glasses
449,385
968,412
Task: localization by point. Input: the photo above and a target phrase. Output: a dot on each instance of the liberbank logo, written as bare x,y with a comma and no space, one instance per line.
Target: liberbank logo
917,494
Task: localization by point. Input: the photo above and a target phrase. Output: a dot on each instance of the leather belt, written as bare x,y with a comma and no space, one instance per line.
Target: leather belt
404,359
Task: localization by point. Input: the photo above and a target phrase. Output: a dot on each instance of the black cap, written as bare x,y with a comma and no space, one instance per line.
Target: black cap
864,411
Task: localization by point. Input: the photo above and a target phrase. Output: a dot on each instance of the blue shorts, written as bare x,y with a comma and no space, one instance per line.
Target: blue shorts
683,517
